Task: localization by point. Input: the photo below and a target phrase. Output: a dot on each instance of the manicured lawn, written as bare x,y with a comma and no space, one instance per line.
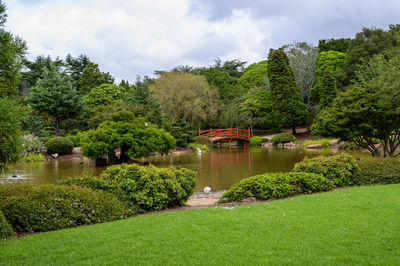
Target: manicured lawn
352,226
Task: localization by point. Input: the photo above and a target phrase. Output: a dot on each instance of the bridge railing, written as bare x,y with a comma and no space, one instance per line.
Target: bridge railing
227,133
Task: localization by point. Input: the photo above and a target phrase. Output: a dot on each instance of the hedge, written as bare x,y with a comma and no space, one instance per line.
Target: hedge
143,188
39,208
379,171
6,231
341,169
283,138
276,186
60,145
255,141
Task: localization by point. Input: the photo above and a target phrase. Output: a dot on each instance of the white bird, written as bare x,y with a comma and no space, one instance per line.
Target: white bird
55,155
198,150
207,189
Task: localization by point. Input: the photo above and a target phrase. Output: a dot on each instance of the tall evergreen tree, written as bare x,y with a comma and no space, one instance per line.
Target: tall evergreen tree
287,101
328,89
92,77
55,96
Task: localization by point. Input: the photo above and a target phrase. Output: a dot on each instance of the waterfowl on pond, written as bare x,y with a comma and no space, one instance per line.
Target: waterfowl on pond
207,189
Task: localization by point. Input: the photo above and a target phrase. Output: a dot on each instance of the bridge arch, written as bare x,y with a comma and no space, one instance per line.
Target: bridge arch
219,134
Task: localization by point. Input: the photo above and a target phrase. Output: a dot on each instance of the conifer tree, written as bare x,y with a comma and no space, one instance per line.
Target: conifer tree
328,89
287,101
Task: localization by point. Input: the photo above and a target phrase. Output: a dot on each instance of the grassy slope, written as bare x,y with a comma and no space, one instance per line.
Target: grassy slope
352,226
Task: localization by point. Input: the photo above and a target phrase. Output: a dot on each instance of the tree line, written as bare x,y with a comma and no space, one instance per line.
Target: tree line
348,87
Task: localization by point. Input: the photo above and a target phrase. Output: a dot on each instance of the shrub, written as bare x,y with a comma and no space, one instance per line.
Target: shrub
152,188
38,208
203,140
32,157
74,139
255,141
324,142
32,144
341,169
283,138
276,186
60,145
5,228
379,171
194,146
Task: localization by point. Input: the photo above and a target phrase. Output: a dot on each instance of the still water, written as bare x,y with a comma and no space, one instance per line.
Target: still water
219,168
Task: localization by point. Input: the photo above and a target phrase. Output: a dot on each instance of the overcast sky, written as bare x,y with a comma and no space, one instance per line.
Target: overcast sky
136,37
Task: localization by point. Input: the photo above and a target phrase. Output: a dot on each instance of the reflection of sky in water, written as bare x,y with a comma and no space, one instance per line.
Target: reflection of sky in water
220,168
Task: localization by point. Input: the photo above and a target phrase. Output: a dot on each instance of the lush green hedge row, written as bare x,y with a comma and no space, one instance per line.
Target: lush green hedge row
341,169
5,228
379,171
143,188
38,208
276,186
255,141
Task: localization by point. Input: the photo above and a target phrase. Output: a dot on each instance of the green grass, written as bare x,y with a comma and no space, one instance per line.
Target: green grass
356,226
324,142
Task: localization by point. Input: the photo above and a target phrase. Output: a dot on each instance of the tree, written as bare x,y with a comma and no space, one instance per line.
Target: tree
328,90
10,133
92,77
105,94
182,133
34,70
12,52
370,110
332,60
338,45
256,106
54,95
368,42
303,58
135,137
75,67
287,102
255,75
186,96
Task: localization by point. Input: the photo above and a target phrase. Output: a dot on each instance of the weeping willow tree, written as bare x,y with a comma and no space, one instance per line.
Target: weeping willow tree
186,96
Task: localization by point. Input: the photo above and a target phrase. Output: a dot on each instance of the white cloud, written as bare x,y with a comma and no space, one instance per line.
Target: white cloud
128,38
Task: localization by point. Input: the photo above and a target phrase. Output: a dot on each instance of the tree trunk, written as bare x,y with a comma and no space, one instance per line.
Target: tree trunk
123,158
57,127
294,130
111,157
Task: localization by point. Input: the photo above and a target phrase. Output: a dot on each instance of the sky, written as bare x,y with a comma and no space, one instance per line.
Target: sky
128,38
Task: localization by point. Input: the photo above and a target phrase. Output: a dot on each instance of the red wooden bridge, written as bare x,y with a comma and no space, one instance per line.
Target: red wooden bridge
220,134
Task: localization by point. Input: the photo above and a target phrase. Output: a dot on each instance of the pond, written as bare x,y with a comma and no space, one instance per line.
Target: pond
219,168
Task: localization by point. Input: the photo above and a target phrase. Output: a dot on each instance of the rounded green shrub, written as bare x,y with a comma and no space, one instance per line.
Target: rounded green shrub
379,171
74,140
202,140
39,208
60,145
255,141
276,186
341,169
6,231
283,138
152,188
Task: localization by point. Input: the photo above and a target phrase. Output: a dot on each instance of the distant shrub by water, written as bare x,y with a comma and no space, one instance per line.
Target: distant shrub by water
60,145
283,138
255,141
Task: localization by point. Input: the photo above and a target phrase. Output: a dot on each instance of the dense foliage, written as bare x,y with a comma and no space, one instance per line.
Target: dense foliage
283,138
59,145
287,101
10,133
276,186
6,230
135,137
141,188
32,144
255,141
379,171
341,169
32,208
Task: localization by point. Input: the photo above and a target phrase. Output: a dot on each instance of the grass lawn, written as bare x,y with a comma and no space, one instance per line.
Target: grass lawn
352,226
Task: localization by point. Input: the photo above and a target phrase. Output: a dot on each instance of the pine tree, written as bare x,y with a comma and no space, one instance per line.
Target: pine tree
328,89
287,101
